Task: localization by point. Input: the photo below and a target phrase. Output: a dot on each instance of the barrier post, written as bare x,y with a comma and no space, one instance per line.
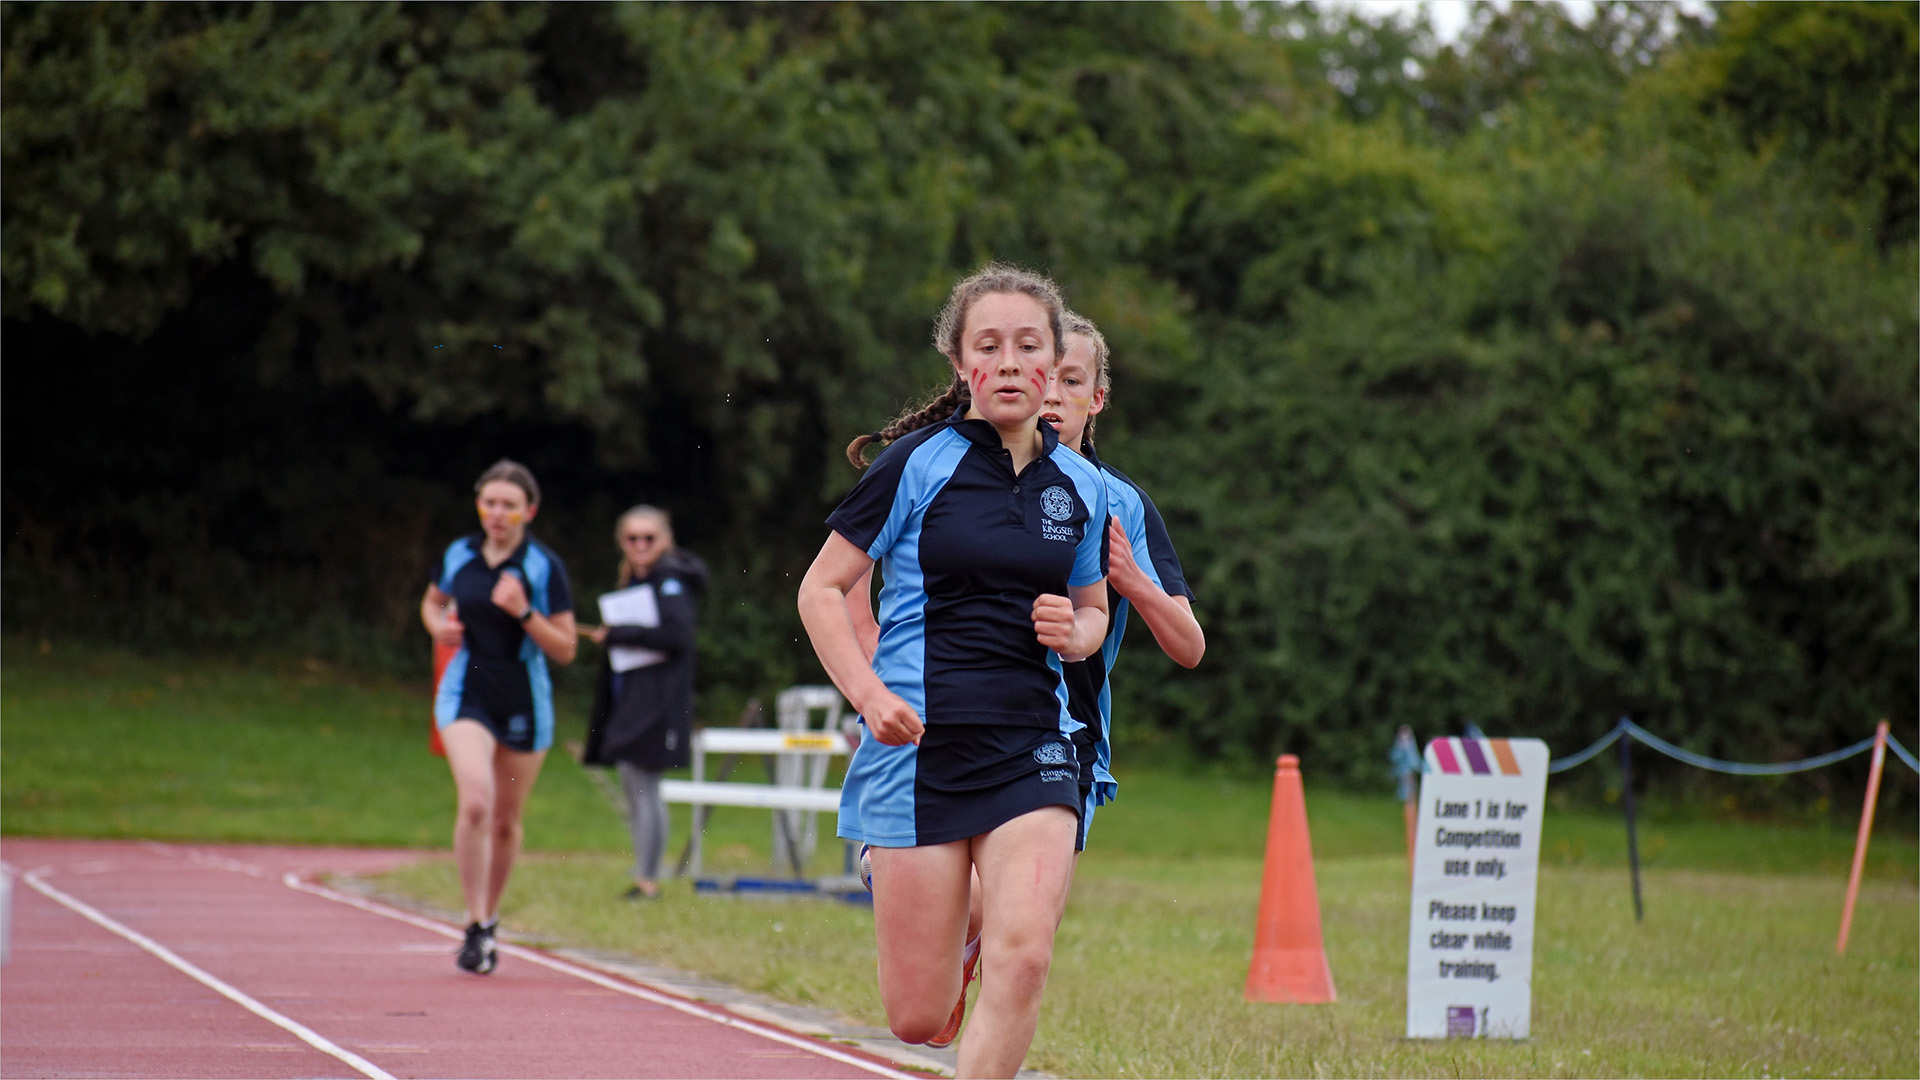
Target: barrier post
1289,956
1407,765
1412,812
1866,832
1626,806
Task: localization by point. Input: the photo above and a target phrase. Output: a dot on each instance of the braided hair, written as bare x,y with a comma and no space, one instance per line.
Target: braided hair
991,279
955,398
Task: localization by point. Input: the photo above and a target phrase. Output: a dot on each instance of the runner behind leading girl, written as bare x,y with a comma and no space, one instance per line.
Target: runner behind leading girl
1143,570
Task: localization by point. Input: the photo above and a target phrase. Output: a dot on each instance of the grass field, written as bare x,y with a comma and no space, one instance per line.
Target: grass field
1732,973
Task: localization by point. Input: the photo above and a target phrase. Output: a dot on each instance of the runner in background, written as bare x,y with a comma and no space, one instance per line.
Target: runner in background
500,597
992,537
642,719
1143,570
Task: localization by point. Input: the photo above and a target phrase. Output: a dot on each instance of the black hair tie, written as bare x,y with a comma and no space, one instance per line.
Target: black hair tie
878,436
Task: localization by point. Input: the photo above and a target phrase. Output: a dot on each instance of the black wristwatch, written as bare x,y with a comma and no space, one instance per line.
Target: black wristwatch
527,614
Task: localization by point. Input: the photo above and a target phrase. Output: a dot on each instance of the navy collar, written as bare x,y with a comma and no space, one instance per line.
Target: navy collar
478,541
987,437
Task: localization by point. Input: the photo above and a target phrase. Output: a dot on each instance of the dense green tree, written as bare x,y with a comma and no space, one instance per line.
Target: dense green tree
1562,371
1827,86
1594,461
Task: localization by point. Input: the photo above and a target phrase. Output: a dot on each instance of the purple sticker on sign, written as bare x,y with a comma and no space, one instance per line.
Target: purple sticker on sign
1460,1021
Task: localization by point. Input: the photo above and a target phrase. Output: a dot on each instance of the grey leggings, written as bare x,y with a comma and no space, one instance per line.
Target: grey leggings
646,819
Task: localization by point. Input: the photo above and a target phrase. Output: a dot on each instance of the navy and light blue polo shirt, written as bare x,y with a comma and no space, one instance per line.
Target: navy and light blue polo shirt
496,644
965,547
1090,696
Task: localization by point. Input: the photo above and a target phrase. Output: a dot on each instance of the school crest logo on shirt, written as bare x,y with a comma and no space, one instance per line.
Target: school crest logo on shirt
1051,754
1057,504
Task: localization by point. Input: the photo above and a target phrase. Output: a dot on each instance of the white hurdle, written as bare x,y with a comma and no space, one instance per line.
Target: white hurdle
811,796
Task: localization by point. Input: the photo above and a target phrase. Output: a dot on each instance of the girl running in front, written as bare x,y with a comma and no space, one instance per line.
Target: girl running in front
1143,571
1142,567
991,535
502,598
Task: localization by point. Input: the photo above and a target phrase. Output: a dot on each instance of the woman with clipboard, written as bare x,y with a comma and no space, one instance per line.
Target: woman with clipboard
642,719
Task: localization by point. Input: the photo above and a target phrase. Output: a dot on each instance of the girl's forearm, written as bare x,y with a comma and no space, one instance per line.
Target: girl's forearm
555,636
1174,627
1089,630
671,636
433,610
823,611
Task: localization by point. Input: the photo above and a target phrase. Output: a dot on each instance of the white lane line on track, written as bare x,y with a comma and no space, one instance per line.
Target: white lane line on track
717,1016
301,1031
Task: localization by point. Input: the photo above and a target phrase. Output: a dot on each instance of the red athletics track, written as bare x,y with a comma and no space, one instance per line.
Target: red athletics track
164,960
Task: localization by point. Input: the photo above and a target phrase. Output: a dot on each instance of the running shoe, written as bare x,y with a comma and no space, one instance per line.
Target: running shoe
969,970
866,868
478,953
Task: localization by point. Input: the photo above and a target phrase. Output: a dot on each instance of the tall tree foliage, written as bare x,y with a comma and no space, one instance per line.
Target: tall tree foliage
1561,371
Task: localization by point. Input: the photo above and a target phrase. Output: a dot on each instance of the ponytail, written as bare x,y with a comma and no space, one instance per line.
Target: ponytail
955,398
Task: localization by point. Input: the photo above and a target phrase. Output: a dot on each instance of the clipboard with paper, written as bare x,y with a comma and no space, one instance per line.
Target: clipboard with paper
636,606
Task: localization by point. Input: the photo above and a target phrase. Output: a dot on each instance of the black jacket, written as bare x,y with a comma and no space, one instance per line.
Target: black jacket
650,724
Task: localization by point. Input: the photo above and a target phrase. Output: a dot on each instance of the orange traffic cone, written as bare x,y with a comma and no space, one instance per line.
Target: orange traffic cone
442,656
1289,959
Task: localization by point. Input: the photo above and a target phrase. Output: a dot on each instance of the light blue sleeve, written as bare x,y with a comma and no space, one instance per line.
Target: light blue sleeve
1127,506
1090,555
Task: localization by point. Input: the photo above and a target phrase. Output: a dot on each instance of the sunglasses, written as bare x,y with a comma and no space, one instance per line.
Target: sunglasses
639,538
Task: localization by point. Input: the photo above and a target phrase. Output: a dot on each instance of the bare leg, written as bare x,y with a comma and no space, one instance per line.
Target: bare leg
470,750
976,908
1026,868
919,917
513,777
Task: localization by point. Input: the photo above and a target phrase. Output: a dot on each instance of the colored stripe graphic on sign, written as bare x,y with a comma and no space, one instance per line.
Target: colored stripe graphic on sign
1474,756
1443,753
1504,755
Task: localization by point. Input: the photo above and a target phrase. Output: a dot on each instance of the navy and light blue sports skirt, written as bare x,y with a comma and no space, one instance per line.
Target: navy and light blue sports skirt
1084,747
512,699
961,781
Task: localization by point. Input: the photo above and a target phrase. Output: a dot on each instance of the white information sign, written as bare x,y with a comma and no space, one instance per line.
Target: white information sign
1476,867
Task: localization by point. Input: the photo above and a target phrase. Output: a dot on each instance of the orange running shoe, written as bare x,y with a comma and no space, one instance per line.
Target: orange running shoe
969,970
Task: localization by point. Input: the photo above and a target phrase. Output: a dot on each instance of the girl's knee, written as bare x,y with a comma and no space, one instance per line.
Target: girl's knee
506,828
1021,965
917,1025
476,810
917,1013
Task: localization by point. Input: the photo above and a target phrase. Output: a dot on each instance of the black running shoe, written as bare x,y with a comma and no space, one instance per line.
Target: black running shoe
477,954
